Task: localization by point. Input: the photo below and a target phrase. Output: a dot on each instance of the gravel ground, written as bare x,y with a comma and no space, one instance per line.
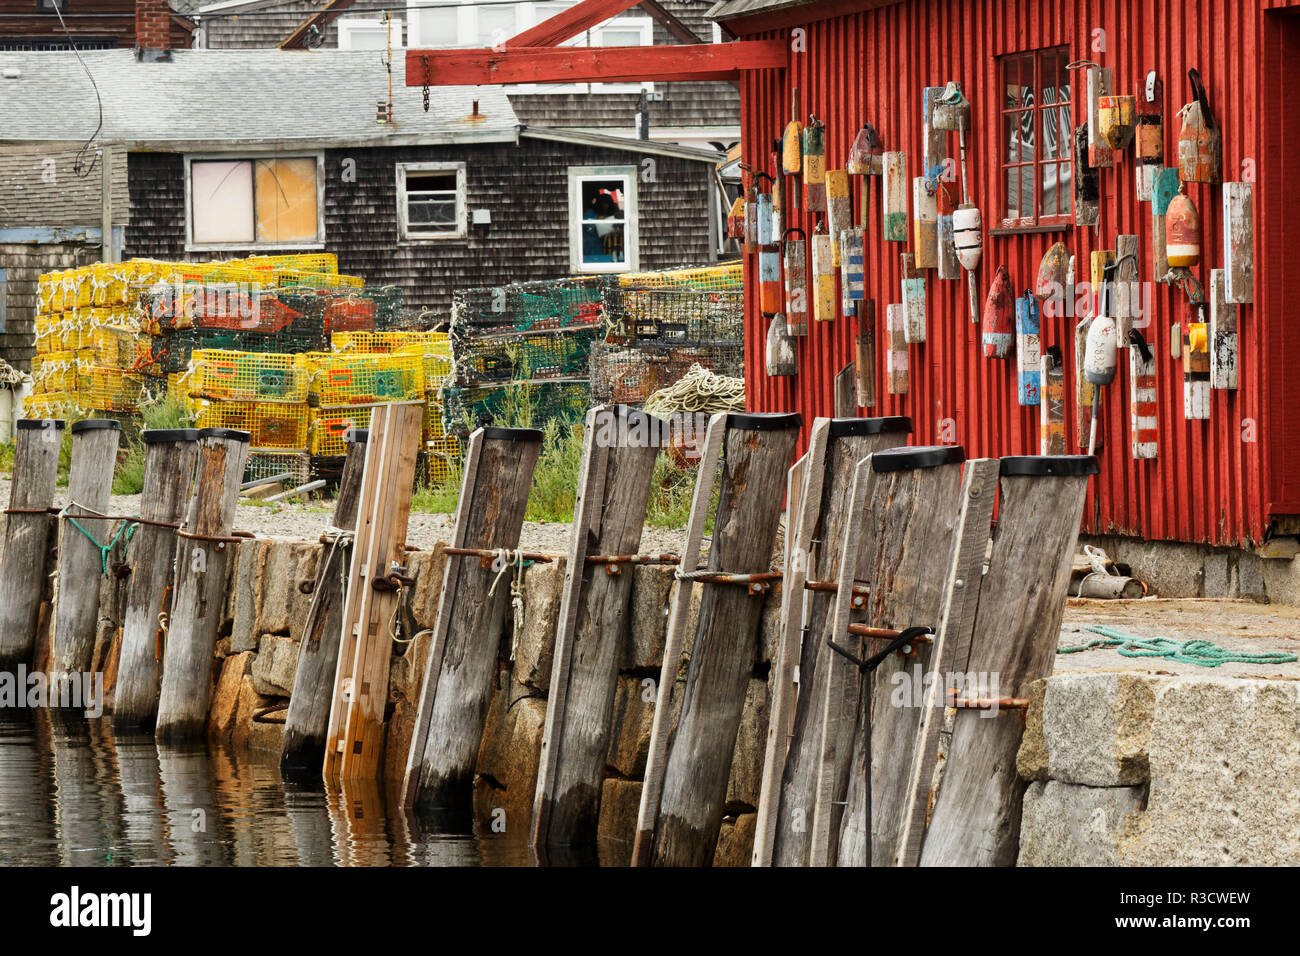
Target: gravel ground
306,522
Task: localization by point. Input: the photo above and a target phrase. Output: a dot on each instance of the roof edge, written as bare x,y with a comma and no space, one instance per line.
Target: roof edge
579,137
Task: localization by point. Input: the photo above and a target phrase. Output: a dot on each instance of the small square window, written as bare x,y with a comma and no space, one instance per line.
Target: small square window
243,203
431,200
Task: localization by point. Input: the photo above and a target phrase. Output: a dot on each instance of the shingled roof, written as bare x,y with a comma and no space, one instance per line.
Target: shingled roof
232,98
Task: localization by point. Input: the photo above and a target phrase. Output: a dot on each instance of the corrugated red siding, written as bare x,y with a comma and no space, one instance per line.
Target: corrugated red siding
1209,483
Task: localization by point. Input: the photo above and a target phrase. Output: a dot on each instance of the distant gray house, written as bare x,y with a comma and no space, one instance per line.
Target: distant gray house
225,153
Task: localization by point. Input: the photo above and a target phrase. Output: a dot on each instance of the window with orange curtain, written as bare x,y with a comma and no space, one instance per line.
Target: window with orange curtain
273,201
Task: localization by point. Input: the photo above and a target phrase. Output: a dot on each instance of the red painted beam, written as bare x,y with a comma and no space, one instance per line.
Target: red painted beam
564,26
611,64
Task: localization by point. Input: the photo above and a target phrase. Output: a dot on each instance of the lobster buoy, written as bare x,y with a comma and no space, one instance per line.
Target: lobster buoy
998,328
814,164
796,282
968,235
1200,141
792,149
751,217
736,219
865,153
769,278
1182,232
1052,285
1116,120
1099,351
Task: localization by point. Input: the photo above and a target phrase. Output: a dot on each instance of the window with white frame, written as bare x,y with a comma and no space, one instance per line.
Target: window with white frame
603,219
362,34
431,201
453,23
245,202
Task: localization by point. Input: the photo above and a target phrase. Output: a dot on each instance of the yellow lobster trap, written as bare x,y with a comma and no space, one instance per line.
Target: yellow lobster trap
227,376
365,379
331,424
271,424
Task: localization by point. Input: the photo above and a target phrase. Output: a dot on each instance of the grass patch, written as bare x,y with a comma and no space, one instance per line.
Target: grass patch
169,412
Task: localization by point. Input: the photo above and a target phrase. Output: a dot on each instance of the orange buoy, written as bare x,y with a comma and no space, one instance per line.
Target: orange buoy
1182,232
998,329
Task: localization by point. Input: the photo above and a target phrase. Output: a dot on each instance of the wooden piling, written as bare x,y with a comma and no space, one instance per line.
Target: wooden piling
170,455
613,493
307,721
462,658
28,529
76,604
835,448
759,449
198,595
900,530
355,735
1015,631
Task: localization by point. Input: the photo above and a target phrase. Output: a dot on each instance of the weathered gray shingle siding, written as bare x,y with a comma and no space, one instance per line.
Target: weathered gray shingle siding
266,28
39,187
23,263
525,187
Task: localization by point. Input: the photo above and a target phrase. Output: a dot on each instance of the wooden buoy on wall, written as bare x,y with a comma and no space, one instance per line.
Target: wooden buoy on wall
839,209
1100,83
796,282
997,329
853,280
864,353
1028,350
925,225
913,287
769,278
1129,305
1238,242
1200,142
894,197
1143,405
1149,135
1116,120
1222,333
28,533
1051,422
782,356
1087,183
823,276
1166,188
1050,287
1196,371
814,164
896,349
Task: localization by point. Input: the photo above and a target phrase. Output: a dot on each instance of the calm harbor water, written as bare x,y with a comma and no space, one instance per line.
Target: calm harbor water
72,794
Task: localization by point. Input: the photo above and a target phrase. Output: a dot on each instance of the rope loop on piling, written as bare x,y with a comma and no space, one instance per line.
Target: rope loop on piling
125,529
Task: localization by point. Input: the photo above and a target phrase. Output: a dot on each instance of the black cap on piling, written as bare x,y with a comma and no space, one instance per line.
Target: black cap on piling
229,434
356,436
908,458
1056,465
765,421
156,436
93,424
892,424
33,424
512,434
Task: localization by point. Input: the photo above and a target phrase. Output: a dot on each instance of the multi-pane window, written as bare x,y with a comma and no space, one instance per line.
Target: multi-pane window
431,200
1036,131
602,219
271,201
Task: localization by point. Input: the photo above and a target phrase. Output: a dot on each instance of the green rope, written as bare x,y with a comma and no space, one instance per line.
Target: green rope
127,528
1200,653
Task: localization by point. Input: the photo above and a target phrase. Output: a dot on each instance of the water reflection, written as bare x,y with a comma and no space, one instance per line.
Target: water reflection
72,794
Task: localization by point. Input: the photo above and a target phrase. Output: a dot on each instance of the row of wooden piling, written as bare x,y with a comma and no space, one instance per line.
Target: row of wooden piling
882,541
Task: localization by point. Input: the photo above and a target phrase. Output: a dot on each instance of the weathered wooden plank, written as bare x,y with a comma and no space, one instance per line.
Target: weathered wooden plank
951,643
758,452
852,269
976,817
614,490
913,288
28,530
824,526
864,353
1166,188
839,210
803,497
846,392
1149,137
307,722
170,455
1196,371
76,602
796,285
656,761
199,593
899,542
462,659
1129,307
894,196
925,224
1085,393
1143,401
896,349
1223,332
1052,408
1238,241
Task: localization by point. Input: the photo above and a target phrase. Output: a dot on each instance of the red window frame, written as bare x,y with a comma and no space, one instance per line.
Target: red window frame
1031,69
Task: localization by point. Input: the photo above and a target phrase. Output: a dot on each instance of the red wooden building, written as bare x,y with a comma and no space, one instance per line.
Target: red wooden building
1231,479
